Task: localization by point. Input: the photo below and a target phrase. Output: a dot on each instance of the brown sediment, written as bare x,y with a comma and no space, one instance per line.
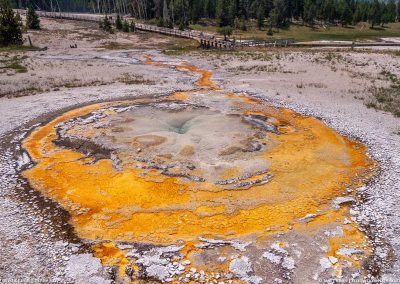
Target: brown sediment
149,140
310,165
187,150
205,75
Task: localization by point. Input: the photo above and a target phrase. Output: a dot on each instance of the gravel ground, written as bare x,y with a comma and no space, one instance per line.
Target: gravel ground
32,244
33,237
379,212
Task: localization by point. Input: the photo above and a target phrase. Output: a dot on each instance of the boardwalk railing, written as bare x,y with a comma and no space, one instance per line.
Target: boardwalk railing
272,42
98,18
206,40
215,43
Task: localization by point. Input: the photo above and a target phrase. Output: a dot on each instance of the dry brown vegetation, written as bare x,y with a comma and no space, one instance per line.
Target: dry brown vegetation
386,98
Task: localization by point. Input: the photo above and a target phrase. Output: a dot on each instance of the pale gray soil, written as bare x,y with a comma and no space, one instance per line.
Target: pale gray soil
327,86
333,86
32,247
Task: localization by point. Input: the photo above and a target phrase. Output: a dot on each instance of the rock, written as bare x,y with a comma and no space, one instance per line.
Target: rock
240,266
97,280
124,246
129,271
346,221
333,259
288,263
357,275
239,245
338,201
308,218
354,212
276,259
74,249
261,122
348,251
325,264
277,247
207,243
157,271
23,161
85,268
221,259
254,279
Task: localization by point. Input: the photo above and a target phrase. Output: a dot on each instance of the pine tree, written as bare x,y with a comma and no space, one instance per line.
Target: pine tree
226,31
298,8
196,10
166,18
385,14
260,15
328,10
118,23
243,9
345,13
235,13
209,8
132,26
278,13
398,11
232,11
364,10
391,8
273,19
374,14
222,13
288,9
10,28
270,32
310,12
125,26
32,19
106,25
358,14
19,20
180,13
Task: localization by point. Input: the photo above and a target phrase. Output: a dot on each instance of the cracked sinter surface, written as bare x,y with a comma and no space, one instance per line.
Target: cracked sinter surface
204,185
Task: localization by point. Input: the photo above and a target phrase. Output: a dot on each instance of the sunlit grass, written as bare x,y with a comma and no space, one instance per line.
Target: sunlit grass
303,33
17,48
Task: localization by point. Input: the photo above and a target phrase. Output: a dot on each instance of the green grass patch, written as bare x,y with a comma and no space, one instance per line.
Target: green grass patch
130,79
387,99
179,46
78,84
13,63
302,33
17,67
22,93
18,48
116,46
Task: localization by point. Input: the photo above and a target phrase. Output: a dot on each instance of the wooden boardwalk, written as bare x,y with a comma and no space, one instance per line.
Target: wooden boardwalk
209,41
196,35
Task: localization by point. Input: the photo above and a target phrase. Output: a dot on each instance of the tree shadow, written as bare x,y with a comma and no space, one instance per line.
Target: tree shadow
377,28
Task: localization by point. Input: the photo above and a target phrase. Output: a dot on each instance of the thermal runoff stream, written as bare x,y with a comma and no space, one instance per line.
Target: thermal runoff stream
204,185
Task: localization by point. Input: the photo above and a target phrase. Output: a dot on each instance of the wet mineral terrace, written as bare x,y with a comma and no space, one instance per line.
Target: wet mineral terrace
205,185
